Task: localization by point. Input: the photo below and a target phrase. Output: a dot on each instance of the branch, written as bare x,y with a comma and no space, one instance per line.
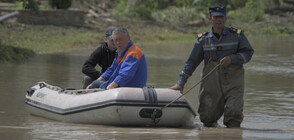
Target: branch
10,15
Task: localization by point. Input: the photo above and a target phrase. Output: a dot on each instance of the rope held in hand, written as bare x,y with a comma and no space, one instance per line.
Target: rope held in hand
156,110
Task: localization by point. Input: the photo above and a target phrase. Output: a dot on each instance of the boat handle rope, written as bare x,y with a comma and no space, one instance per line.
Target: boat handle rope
153,115
42,85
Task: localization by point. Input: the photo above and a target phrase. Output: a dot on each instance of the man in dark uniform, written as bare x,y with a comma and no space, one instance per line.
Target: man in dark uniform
103,56
221,93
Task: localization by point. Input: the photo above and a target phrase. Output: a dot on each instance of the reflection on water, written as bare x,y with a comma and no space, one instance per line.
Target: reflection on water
273,64
270,91
268,99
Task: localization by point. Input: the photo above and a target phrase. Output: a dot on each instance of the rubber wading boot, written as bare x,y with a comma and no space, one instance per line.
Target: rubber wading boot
233,124
214,124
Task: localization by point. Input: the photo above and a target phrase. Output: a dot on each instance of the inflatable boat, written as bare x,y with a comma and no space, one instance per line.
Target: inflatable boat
119,106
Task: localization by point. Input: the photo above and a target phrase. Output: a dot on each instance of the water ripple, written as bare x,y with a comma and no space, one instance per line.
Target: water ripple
274,64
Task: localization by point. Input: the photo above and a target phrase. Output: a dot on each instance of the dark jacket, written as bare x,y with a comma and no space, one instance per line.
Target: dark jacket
102,56
208,47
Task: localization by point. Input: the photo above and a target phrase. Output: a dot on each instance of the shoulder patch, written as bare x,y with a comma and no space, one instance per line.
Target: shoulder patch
234,30
200,35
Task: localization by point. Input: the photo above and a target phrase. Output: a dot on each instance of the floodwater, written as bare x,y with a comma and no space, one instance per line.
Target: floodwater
269,95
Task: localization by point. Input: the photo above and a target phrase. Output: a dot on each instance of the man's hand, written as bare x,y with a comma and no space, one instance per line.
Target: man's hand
112,85
89,86
226,61
101,78
177,87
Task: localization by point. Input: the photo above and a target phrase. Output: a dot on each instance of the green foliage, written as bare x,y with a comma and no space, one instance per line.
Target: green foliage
177,16
250,13
10,53
19,4
203,5
135,9
172,11
123,9
145,8
276,30
60,4
30,4
231,4
235,4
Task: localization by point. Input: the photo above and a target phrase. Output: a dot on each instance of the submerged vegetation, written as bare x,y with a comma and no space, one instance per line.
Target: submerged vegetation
14,54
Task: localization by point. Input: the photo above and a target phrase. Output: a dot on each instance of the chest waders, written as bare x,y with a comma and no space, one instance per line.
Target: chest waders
222,93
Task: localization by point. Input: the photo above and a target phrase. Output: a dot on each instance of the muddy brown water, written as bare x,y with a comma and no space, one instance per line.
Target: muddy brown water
269,96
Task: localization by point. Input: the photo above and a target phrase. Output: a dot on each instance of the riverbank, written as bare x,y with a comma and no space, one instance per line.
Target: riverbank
52,39
10,53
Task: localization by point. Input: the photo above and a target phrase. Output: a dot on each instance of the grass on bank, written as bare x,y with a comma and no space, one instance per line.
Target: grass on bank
51,39
20,43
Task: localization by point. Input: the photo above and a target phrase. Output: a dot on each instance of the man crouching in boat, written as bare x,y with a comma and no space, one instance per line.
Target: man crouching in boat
129,68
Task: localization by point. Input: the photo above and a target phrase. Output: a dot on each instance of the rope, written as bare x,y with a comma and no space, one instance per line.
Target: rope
153,116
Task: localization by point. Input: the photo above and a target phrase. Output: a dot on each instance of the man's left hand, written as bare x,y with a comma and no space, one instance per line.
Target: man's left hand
226,61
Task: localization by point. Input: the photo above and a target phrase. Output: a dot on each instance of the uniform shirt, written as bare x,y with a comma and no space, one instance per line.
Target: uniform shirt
102,56
129,68
209,48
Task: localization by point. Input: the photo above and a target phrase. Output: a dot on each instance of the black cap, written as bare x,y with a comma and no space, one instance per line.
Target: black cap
217,10
109,31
